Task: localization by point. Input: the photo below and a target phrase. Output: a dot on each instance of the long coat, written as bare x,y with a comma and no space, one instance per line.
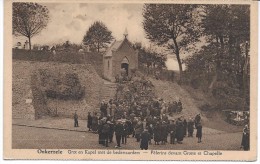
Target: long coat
139,128
119,129
199,131
157,133
94,123
179,130
89,125
164,132
145,137
245,140
190,126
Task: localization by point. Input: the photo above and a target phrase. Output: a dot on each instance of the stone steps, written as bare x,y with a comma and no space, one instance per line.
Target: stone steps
108,91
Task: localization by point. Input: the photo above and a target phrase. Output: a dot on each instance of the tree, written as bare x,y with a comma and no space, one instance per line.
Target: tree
222,65
228,27
171,26
29,19
98,36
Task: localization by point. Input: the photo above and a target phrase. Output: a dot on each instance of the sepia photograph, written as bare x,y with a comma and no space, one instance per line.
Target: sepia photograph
132,76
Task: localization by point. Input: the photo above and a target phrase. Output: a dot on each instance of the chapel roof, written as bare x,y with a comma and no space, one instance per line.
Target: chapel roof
114,47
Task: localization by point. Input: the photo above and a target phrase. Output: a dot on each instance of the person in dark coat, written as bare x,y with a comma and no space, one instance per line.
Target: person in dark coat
197,120
111,131
105,133
199,132
89,125
190,125
76,122
145,137
185,127
119,129
164,132
245,144
179,130
95,123
157,133
150,131
103,108
138,130
125,132
130,128
179,109
172,131
100,133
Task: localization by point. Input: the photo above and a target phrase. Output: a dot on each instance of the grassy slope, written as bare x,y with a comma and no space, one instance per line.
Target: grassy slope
192,99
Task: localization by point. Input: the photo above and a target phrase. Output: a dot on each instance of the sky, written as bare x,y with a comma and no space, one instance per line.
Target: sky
70,21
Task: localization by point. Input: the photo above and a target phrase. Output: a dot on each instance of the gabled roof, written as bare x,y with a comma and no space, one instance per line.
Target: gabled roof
115,46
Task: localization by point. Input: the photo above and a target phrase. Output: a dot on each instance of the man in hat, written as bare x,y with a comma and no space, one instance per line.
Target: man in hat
179,104
103,108
118,132
179,130
164,132
76,123
172,131
111,131
197,119
100,132
157,133
138,129
105,132
199,131
145,137
125,132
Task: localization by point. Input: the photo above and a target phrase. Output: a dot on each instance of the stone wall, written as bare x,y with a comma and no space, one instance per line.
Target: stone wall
39,99
107,66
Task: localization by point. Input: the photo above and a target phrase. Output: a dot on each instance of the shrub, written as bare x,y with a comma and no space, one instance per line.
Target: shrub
62,86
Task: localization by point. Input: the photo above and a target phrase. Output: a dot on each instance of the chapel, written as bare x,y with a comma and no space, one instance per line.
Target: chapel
120,56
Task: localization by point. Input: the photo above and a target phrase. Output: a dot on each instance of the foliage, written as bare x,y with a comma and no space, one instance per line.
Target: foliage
64,86
98,36
29,19
171,26
69,53
151,59
223,62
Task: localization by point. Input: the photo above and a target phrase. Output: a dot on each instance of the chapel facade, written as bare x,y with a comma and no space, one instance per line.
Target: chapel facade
120,55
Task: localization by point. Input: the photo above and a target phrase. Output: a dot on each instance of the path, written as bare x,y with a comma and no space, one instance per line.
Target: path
24,137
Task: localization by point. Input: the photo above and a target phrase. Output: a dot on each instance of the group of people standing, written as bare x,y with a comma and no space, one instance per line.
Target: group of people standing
143,128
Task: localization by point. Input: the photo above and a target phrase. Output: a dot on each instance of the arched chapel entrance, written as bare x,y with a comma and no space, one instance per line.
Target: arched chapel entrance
125,65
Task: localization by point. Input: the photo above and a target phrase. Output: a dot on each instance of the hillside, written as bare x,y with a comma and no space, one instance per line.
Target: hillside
170,92
192,99
22,71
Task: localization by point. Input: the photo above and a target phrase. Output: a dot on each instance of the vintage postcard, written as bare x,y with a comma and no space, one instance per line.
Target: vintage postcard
130,80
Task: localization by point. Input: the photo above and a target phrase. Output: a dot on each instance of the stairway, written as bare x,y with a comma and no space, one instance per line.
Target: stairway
108,91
